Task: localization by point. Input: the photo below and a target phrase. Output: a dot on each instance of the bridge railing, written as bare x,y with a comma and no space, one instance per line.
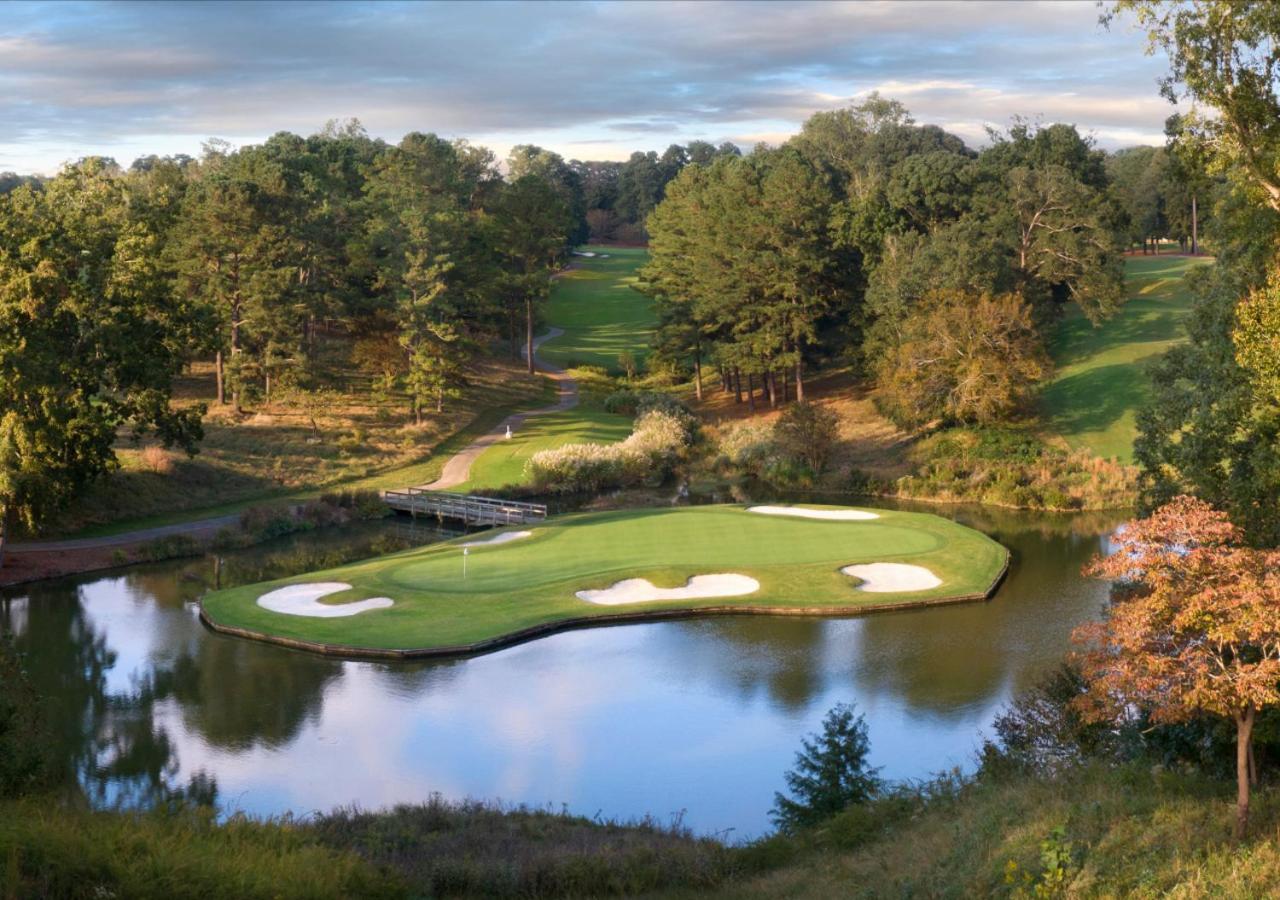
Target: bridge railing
465,507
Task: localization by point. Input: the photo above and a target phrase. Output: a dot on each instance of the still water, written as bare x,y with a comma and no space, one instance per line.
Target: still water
697,719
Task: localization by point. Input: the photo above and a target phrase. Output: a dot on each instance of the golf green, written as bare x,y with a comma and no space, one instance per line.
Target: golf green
528,586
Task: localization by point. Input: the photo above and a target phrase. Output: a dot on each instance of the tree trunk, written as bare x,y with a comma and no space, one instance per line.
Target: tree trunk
266,392
737,386
799,381
751,391
771,388
440,401
1244,748
528,333
784,385
417,411
1195,227
217,374
697,376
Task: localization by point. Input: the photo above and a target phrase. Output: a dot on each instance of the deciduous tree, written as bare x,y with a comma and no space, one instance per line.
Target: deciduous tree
1193,630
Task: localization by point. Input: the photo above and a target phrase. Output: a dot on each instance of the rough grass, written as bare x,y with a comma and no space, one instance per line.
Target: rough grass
1100,380
600,311
503,463
49,850
472,849
273,454
1129,832
533,581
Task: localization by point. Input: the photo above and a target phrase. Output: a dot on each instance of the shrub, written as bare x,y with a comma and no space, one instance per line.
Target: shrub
156,459
749,447
173,546
648,454
831,772
807,433
23,765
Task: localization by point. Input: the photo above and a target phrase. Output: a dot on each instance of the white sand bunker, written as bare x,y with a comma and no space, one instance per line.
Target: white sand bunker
886,578
301,600
844,515
642,590
505,537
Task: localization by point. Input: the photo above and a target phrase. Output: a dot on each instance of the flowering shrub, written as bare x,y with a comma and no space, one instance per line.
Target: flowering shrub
648,454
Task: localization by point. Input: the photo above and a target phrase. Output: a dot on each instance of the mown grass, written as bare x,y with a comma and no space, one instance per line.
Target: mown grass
600,310
1131,831
503,463
273,455
531,582
1100,379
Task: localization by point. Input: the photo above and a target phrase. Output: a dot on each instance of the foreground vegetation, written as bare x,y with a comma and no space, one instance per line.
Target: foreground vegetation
532,581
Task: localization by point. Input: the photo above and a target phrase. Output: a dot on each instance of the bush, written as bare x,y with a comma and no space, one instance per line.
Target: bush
173,546
831,772
749,447
156,459
807,433
647,455
267,522
23,765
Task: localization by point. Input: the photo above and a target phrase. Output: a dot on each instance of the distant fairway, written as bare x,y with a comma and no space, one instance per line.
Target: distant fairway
1100,379
528,586
599,310
503,463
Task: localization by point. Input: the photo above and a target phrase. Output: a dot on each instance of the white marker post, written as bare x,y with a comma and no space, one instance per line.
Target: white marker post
465,552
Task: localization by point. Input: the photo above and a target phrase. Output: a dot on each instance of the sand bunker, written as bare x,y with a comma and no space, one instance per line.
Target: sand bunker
505,537
886,578
642,590
844,515
300,600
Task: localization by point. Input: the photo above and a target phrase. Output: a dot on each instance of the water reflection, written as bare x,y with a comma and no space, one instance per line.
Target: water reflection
701,715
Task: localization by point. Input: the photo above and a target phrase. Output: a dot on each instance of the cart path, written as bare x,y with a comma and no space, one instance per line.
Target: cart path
458,468
455,472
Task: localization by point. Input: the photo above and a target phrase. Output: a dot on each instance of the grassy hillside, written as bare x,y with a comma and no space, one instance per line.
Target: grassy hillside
1100,379
600,311
1131,831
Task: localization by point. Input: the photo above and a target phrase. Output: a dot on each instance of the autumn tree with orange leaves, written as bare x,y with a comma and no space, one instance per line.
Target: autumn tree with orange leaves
1194,629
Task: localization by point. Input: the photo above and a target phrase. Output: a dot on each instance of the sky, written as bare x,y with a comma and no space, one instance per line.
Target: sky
589,80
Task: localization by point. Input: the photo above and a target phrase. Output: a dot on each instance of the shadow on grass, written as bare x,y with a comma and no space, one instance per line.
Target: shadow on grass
1094,400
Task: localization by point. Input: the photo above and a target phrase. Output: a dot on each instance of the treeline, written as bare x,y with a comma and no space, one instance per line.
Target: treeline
281,262
868,238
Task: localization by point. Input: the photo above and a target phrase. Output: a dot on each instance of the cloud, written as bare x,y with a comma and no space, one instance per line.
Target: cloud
79,78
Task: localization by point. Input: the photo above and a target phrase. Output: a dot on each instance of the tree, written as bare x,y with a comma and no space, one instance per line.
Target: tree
1224,54
831,772
90,339
962,358
532,226
1195,629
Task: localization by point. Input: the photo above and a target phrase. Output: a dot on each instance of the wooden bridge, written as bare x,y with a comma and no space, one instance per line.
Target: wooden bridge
464,507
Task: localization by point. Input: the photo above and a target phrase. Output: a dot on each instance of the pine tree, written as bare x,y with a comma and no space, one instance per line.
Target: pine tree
830,774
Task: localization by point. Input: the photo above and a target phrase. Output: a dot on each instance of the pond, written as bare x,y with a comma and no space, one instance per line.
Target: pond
693,719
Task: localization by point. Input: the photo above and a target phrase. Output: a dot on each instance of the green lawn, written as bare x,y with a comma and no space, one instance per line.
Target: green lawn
503,463
532,582
1100,377
601,312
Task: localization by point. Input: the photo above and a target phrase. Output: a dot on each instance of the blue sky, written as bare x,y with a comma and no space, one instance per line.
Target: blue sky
591,80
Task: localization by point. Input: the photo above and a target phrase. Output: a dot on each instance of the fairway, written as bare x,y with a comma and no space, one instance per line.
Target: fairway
601,312
1100,378
529,585
503,462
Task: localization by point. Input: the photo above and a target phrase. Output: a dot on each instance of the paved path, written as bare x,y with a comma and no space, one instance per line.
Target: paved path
455,472
198,527
458,468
